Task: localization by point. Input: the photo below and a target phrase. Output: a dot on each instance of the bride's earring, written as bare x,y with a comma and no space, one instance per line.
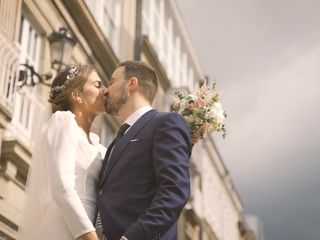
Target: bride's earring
79,100
79,114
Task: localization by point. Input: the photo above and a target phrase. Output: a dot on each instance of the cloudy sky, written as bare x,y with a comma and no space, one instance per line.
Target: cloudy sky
265,56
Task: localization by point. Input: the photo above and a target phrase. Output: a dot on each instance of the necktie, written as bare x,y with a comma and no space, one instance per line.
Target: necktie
121,132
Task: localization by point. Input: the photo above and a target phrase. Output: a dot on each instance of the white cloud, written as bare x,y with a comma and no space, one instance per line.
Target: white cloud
277,114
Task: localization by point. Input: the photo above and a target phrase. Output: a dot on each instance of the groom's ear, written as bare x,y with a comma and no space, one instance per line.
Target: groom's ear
133,83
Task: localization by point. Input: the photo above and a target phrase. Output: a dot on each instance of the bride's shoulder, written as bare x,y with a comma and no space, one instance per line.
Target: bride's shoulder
62,119
62,115
62,124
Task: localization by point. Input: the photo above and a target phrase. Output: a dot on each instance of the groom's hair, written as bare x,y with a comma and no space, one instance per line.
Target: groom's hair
146,75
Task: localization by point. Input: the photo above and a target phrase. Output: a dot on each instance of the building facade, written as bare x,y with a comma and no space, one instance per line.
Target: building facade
107,32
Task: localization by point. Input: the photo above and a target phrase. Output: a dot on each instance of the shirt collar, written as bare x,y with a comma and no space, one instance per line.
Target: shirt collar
137,114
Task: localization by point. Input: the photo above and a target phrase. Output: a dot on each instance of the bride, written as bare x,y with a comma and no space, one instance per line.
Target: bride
66,164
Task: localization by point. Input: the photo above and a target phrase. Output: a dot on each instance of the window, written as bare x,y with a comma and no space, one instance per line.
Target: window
30,43
162,25
26,102
107,14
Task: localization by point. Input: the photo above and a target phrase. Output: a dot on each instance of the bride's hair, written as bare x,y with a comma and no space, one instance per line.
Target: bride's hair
71,79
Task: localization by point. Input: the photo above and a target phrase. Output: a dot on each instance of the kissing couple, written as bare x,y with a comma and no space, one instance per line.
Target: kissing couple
133,190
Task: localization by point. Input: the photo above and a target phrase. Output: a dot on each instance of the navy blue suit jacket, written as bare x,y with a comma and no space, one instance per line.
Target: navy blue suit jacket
146,184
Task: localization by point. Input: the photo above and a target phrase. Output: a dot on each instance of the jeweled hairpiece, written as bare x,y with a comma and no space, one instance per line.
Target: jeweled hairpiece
73,71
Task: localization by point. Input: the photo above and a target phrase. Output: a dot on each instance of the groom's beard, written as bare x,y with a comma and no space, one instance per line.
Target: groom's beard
114,105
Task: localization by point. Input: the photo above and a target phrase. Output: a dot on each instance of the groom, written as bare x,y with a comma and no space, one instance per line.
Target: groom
145,180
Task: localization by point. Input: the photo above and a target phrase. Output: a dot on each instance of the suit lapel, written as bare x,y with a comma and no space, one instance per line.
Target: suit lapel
123,143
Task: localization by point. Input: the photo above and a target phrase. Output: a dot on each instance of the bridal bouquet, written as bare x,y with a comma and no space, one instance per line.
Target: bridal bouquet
202,111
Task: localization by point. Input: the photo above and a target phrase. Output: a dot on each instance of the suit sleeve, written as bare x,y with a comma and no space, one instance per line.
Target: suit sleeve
171,155
62,143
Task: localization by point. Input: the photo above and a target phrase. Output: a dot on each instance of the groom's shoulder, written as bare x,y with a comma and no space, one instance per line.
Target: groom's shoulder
162,116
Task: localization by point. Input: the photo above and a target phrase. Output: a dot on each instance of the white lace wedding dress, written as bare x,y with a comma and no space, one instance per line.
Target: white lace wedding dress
63,184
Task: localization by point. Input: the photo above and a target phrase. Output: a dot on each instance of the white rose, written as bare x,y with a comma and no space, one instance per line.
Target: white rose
193,97
217,112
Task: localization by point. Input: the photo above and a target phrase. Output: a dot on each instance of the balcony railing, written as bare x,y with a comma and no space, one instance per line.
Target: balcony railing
9,71
27,109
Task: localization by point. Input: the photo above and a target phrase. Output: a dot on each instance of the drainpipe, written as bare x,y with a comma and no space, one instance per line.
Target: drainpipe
138,40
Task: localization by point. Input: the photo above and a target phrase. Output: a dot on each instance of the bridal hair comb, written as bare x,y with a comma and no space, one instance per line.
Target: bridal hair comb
72,73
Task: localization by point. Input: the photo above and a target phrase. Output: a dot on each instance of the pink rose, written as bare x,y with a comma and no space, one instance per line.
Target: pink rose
199,103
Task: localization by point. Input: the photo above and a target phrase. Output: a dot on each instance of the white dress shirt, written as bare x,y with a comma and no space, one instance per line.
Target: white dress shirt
136,115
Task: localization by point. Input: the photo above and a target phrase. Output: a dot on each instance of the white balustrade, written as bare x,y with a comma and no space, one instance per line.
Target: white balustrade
9,70
27,109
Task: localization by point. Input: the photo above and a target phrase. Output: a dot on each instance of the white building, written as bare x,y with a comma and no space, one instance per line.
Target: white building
107,32
256,226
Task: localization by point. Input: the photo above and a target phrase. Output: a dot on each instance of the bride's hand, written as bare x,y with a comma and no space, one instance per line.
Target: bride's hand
89,236
195,139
